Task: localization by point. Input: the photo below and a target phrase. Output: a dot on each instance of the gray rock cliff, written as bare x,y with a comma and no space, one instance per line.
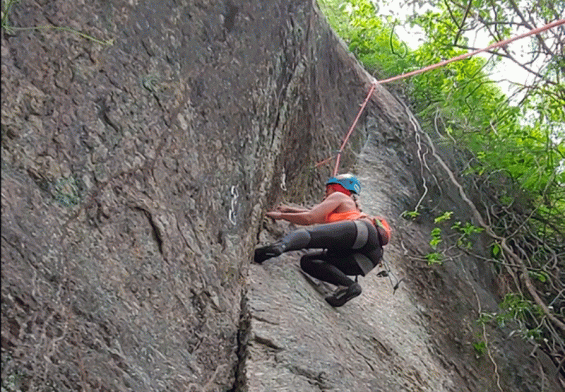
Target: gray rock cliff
135,175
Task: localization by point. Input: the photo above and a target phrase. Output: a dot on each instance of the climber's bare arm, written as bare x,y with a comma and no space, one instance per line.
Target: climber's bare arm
291,209
315,215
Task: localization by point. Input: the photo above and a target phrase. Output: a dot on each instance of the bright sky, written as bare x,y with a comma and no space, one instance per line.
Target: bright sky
505,73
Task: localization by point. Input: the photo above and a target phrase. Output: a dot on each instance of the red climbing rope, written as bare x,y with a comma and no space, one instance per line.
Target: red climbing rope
352,128
464,56
428,68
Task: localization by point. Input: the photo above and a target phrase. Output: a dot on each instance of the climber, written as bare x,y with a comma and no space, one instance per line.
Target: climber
350,241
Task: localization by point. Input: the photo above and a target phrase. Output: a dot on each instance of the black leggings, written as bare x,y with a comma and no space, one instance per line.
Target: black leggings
349,248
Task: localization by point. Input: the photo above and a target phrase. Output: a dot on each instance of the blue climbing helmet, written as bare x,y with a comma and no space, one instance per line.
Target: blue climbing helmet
348,181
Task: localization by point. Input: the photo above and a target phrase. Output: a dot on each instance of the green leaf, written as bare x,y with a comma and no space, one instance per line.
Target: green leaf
410,214
434,258
445,216
495,250
541,276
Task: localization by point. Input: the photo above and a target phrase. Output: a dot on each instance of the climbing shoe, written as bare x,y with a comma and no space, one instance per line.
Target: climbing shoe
266,252
341,296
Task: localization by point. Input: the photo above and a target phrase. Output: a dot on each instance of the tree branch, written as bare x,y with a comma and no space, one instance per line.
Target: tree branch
524,277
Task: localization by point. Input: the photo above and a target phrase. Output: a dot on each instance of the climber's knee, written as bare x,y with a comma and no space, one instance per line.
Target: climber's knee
296,240
308,263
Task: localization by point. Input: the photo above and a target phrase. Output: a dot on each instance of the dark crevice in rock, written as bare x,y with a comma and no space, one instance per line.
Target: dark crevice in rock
230,15
243,337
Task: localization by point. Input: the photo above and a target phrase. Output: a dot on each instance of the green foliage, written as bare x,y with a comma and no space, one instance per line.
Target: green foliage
436,237
434,258
6,10
485,318
540,276
466,229
371,40
444,217
525,141
410,214
518,310
480,348
516,307
495,250
464,233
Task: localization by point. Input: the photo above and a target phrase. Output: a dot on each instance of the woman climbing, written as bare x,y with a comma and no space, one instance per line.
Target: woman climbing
350,241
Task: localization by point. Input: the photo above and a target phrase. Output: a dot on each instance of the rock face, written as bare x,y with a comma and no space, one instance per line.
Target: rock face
134,179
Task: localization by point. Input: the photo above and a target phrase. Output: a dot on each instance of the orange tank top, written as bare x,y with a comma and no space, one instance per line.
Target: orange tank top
347,215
